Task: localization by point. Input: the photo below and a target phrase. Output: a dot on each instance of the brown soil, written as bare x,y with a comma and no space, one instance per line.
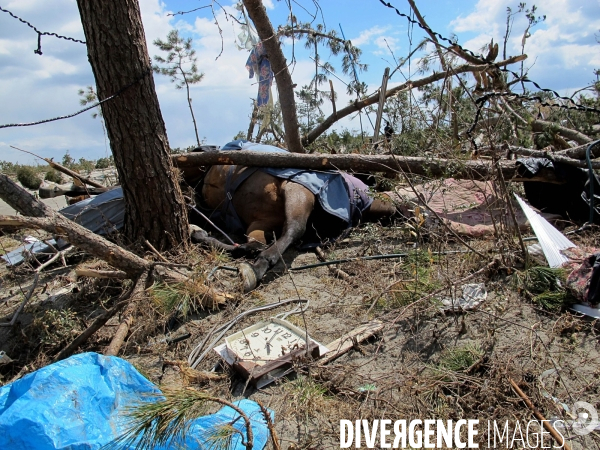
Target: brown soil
401,374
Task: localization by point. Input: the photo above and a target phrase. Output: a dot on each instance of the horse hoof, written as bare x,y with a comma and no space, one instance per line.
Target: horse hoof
248,277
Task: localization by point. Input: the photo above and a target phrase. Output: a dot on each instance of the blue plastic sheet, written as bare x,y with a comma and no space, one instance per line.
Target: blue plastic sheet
80,403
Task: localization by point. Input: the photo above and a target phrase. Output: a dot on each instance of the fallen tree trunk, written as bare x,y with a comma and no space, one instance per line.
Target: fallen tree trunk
433,167
542,125
20,200
84,239
47,219
558,157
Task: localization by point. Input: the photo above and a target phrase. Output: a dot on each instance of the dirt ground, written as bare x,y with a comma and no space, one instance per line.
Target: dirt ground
425,364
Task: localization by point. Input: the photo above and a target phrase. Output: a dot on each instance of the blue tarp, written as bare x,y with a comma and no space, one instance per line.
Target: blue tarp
80,403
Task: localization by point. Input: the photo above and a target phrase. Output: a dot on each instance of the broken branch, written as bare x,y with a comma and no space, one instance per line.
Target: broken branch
64,170
372,99
119,337
23,303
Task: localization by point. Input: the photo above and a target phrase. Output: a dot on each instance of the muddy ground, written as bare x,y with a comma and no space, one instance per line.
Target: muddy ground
425,364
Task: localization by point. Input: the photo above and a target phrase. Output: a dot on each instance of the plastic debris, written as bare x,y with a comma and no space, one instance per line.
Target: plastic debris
81,403
552,241
472,296
4,358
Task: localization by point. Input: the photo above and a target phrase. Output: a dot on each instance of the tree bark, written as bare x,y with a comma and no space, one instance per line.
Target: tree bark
155,208
372,99
84,239
433,167
542,125
19,199
285,87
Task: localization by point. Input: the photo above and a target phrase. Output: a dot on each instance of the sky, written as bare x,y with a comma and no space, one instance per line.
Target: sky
563,52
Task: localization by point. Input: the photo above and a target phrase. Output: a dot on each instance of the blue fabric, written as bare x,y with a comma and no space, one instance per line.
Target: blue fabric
80,403
258,62
340,194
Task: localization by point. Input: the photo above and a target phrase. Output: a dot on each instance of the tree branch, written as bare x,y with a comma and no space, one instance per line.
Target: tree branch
372,99
542,125
265,31
433,167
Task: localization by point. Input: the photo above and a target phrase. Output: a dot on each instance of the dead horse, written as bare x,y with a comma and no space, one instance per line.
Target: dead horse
267,206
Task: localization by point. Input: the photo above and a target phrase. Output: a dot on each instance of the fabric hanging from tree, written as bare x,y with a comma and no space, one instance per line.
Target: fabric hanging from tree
258,63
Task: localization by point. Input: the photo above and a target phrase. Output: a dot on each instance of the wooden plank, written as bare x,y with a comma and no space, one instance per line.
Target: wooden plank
342,345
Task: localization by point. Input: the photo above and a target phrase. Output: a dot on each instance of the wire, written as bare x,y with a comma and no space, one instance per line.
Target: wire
116,94
361,258
496,66
195,358
38,51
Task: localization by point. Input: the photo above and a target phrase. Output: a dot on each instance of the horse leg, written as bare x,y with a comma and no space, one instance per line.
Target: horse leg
299,203
388,206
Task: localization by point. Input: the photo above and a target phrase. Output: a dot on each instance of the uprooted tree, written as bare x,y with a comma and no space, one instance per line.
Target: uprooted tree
117,51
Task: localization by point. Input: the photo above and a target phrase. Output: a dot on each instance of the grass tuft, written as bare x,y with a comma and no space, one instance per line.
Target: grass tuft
460,359
544,286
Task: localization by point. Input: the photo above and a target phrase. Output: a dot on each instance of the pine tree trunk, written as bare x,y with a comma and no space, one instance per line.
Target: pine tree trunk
285,87
119,57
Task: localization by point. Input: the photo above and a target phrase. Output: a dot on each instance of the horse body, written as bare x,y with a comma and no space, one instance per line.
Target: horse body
271,209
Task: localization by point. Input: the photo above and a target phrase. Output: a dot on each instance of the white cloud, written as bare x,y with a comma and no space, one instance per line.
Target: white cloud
366,36
563,42
35,87
385,44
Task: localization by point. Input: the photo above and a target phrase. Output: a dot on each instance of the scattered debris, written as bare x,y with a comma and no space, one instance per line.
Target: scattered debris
472,296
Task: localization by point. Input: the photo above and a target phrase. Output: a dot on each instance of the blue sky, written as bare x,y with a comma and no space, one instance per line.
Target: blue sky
563,52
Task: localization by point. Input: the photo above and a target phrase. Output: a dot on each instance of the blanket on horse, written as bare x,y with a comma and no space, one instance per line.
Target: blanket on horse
339,194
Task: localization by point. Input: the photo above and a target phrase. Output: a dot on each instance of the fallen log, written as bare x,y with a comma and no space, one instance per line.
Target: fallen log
137,294
434,167
20,200
83,238
553,156
53,222
52,190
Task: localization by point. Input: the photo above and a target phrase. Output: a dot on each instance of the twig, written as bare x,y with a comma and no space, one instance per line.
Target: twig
511,210
555,434
119,337
337,272
119,274
270,426
23,303
59,254
156,252
489,266
442,221
89,331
